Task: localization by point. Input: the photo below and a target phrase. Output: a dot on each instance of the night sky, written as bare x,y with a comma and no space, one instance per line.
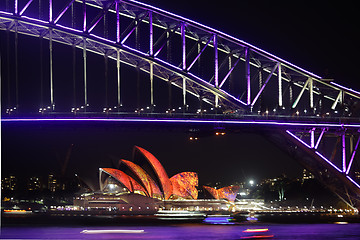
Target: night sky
319,36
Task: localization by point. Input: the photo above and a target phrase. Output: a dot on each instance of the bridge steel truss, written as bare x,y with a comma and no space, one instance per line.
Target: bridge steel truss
238,78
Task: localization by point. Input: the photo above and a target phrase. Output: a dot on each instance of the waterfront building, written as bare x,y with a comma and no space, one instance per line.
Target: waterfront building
34,183
52,183
357,175
142,185
9,183
228,192
307,175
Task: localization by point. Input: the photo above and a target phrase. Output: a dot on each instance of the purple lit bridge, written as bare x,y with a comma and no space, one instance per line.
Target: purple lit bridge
125,61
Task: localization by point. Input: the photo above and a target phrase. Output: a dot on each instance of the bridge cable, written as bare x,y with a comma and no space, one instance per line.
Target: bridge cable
16,65
168,57
230,77
74,74
291,93
260,86
106,79
41,63
85,76
8,66
138,87
41,73
199,59
106,62
137,46
73,57
51,69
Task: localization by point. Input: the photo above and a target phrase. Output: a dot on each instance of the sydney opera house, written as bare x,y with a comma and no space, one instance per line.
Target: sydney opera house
143,186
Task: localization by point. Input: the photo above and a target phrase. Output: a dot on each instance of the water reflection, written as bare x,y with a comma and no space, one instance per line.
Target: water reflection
188,232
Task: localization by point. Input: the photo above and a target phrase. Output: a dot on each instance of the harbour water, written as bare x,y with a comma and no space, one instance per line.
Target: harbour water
340,230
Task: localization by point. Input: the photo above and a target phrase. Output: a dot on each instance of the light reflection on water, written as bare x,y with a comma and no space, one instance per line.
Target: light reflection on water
188,232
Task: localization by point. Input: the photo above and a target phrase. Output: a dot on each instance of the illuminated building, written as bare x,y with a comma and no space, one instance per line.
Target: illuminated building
34,183
357,175
151,188
126,203
142,185
184,185
52,183
229,193
307,175
157,169
9,183
111,183
152,182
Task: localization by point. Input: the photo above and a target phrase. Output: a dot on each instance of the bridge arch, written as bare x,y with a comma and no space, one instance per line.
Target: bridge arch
263,82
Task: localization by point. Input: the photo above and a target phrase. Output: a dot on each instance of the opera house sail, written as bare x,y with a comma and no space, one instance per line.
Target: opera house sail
142,185
184,185
158,170
229,193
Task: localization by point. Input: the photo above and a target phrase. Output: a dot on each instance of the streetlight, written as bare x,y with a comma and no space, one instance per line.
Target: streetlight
251,182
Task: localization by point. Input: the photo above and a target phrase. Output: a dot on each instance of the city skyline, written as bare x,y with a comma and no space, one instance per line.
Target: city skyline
201,156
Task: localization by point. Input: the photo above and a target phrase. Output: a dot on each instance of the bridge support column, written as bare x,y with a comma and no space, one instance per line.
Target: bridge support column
118,54
117,21
16,66
152,86
312,138
151,53
118,78
85,77
51,71
84,54
8,67
74,74
280,86
184,95
291,93
260,86
183,38
216,69
343,152
247,76
106,66
311,82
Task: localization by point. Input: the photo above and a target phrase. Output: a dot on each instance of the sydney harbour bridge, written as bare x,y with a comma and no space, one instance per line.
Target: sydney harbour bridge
126,61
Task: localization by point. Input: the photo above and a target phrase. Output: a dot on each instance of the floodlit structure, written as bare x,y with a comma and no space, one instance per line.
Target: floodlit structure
184,185
157,169
229,193
142,186
129,183
152,182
